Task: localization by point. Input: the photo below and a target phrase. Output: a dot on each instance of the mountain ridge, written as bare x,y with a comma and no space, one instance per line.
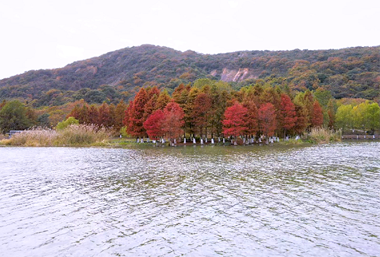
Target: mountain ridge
347,72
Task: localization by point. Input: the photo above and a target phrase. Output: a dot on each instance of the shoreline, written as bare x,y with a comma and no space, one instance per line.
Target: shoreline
128,144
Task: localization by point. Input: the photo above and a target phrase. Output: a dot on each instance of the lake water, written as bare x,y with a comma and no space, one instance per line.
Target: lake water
191,201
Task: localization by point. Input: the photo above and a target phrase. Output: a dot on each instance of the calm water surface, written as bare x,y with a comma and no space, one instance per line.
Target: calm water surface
191,201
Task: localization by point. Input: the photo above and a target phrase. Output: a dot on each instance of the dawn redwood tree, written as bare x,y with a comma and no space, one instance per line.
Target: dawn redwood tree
153,91
308,103
302,119
136,116
267,119
93,114
219,104
180,96
188,109
154,124
119,115
234,123
317,117
288,115
251,117
173,120
112,116
85,114
127,117
75,113
331,114
104,115
150,106
162,100
200,114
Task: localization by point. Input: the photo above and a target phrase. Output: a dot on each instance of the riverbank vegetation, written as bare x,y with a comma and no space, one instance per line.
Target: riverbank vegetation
211,109
72,135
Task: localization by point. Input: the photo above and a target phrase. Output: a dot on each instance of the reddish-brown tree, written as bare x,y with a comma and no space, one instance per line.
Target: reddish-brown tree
127,117
317,117
173,120
104,115
234,123
267,119
93,115
75,113
150,106
251,117
119,115
200,114
154,123
136,118
288,116
302,119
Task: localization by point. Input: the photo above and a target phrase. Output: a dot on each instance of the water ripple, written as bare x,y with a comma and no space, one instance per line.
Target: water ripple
191,201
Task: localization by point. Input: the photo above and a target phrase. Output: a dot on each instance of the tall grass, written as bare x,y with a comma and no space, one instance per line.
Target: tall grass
323,135
73,135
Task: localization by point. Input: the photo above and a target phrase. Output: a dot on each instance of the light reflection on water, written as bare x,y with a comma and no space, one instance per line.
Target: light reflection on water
192,201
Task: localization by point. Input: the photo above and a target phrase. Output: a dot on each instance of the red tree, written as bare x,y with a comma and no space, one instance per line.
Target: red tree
317,117
173,120
153,125
288,113
234,123
267,119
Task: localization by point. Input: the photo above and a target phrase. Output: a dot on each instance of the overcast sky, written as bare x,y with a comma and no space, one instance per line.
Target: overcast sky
42,34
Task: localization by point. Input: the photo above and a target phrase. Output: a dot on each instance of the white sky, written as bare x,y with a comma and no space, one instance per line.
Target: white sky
44,34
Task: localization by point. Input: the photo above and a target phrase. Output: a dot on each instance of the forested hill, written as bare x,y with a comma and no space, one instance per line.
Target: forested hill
350,72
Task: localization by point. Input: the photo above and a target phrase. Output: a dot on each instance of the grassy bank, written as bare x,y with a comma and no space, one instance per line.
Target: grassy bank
73,135
90,135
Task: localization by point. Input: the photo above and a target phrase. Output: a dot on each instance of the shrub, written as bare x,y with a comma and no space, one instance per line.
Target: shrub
69,121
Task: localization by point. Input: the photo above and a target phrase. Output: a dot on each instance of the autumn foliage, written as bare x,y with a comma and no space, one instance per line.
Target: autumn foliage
212,109
234,123
267,119
154,124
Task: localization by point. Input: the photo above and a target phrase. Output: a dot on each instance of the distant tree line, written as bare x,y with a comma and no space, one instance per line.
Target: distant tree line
207,109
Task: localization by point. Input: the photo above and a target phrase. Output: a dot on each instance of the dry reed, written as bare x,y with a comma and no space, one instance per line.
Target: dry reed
322,135
73,135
